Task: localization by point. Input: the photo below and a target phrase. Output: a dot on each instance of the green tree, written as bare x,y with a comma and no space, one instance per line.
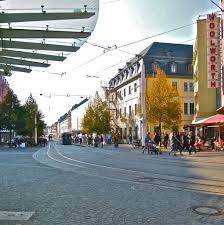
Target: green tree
10,109
97,117
31,111
163,106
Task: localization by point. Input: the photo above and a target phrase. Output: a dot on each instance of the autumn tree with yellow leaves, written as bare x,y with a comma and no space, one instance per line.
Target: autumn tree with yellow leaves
97,117
163,106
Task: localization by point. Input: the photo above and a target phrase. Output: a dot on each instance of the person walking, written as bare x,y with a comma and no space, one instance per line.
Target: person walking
130,139
185,140
157,139
179,143
147,142
192,142
101,140
173,144
165,140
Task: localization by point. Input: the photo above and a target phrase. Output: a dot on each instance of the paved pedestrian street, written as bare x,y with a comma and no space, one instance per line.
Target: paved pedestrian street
75,185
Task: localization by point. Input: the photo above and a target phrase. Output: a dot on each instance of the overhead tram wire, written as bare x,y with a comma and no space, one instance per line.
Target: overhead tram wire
131,43
156,35
134,42
110,48
128,59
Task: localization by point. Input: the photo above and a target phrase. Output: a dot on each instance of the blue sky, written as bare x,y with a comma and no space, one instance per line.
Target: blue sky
119,22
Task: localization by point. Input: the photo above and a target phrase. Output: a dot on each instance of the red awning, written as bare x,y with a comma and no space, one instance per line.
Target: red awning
216,119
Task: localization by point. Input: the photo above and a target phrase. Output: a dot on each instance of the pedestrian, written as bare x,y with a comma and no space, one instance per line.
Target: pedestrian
185,140
147,143
179,143
192,142
96,141
157,139
173,144
165,140
130,139
101,140
80,140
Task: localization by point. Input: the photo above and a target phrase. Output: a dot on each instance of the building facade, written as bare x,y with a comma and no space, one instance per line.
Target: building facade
70,121
207,100
127,87
123,96
176,61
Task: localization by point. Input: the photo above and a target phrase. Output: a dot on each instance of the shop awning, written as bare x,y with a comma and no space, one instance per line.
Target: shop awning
216,119
197,121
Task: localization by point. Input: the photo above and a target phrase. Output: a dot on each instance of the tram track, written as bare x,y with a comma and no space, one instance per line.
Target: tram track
163,180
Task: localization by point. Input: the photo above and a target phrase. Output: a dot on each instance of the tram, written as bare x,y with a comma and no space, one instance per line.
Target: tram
66,138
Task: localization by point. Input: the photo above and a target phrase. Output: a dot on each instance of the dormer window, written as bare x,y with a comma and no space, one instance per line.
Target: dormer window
138,66
126,74
154,67
190,69
173,67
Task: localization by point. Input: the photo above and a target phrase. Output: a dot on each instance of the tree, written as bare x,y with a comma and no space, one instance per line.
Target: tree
97,117
9,109
163,106
31,111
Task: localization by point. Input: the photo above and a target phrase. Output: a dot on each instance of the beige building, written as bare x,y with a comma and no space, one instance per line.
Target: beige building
207,100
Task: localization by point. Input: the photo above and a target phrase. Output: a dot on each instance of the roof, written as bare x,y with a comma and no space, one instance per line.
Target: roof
43,34
165,54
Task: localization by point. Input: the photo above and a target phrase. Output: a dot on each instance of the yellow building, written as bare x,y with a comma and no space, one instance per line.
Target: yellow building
176,61
206,101
132,81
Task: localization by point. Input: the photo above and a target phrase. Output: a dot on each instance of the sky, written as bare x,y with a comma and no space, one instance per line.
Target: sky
119,22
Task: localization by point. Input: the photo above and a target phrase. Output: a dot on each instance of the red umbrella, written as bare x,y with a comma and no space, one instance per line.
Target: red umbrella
216,119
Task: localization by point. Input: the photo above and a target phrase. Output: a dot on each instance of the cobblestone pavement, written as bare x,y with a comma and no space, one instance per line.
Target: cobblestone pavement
73,185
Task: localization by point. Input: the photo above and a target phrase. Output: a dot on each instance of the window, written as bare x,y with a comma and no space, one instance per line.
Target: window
124,92
190,69
125,113
185,86
174,85
191,108
136,109
112,98
120,113
191,86
129,90
135,87
155,66
173,67
126,74
185,108
129,111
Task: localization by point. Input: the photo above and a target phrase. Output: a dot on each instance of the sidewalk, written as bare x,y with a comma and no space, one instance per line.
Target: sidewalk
4,148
